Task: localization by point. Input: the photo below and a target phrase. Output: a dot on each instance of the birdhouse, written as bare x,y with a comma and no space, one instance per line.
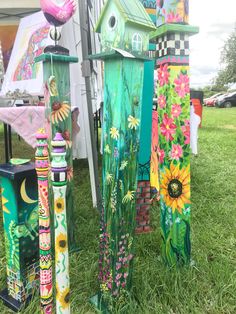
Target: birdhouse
124,25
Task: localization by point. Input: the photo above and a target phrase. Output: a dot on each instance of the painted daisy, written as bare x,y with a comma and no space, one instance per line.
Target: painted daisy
114,133
133,122
128,197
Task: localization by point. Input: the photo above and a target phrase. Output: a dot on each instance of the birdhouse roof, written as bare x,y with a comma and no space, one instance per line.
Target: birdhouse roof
133,12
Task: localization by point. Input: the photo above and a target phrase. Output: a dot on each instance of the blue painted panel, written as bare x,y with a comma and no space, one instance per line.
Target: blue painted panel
146,122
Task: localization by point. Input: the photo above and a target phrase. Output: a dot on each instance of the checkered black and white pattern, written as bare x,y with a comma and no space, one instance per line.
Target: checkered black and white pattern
172,44
59,176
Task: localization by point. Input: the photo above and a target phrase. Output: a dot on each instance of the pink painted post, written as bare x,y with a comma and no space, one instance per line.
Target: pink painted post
45,262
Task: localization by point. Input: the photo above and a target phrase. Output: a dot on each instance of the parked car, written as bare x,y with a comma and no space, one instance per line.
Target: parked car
226,101
210,102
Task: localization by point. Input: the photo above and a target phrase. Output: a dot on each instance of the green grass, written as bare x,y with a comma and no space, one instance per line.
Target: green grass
209,285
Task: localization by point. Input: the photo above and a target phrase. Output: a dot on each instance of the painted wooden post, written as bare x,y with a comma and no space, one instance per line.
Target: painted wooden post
20,219
45,256
172,52
58,112
59,181
125,39
144,197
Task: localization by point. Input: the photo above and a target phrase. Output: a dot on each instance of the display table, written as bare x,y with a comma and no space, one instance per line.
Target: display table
26,121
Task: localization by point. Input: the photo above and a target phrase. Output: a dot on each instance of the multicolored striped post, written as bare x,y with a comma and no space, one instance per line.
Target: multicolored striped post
59,182
45,256
172,53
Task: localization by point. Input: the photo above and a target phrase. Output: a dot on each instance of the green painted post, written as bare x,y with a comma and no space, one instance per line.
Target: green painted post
174,131
20,219
58,112
125,39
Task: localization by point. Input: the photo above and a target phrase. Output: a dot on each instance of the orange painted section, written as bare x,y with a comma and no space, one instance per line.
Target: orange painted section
198,108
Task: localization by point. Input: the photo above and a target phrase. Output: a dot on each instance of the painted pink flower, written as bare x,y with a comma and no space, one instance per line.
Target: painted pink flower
182,85
186,131
161,154
176,152
163,75
161,101
168,128
126,275
176,110
171,17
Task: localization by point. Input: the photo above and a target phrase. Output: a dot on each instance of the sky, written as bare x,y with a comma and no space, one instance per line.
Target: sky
217,20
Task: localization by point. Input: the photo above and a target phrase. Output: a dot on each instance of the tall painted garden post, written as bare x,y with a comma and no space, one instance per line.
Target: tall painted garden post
59,181
128,35
172,53
45,254
58,112
144,196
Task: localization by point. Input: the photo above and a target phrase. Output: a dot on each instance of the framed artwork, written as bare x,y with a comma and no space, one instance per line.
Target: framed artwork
22,72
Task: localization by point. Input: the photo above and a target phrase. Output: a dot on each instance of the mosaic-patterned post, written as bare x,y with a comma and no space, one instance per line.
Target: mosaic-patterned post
144,197
173,91
20,220
59,181
123,81
58,112
45,256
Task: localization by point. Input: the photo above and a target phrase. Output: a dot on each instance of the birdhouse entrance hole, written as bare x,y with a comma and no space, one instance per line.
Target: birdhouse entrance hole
112,22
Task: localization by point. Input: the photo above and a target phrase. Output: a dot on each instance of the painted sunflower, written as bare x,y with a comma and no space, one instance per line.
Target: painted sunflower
60,111
52,86
61,243
59,205
64,298
175,186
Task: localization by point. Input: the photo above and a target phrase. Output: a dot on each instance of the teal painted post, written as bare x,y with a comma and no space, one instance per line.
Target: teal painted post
174,131
144,197
20,219
121,135
124,39
58,112
144,189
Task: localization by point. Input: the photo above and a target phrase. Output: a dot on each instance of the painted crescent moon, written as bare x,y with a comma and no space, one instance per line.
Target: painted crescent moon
24,196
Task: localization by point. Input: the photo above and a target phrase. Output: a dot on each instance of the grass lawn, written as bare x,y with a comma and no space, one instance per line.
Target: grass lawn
209,285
